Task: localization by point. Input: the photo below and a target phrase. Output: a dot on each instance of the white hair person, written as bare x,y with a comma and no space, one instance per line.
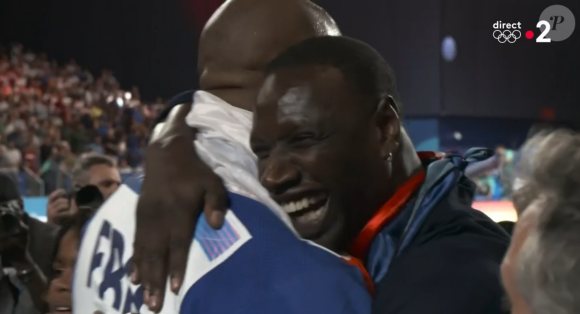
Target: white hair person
545,253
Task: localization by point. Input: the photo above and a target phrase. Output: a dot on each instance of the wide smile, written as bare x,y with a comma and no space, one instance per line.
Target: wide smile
62,310
307,213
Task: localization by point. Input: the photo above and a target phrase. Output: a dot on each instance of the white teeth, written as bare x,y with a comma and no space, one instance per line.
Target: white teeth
311,216
298,205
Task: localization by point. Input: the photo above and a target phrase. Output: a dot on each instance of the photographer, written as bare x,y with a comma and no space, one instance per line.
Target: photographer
26,245
93,169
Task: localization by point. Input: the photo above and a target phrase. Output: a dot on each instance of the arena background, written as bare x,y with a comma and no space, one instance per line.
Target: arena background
490,94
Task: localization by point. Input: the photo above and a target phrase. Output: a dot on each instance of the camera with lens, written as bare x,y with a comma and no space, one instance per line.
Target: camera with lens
88,198
11,213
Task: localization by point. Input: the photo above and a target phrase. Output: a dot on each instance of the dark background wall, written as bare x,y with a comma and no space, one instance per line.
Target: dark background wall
152,44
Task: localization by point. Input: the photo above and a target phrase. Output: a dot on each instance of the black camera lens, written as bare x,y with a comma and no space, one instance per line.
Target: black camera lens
89,196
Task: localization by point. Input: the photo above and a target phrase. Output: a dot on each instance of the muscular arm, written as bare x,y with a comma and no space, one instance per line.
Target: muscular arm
178,187
446,276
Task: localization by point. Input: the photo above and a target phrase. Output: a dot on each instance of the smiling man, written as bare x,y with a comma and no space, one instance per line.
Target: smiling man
333,153
256,262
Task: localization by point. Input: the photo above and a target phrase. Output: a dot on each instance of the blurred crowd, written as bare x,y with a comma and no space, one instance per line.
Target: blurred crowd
495,179
51,113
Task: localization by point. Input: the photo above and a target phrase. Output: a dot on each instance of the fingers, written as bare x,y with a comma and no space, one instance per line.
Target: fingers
61,205
55,195
149,261
183,225
153,267
216,205
178,252
142,235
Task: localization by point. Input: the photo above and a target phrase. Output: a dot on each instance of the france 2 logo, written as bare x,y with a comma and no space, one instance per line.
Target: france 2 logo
556,23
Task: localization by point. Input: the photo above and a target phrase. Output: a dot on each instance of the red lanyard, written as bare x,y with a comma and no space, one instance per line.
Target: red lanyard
368,280
359,247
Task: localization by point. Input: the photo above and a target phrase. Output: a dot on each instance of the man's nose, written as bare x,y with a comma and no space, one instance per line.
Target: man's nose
63,282
62,285
280,176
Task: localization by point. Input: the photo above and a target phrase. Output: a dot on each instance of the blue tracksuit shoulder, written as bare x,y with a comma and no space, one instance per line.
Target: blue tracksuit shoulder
275,272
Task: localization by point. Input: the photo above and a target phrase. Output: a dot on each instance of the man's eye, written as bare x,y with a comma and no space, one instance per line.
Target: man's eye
261,153
57,271
303,139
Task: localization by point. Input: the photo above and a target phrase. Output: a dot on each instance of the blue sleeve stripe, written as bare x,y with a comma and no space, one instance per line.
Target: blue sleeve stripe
215,242
184,97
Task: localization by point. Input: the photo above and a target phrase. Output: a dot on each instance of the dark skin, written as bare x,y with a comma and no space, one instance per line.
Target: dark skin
235,46
317,138
58,296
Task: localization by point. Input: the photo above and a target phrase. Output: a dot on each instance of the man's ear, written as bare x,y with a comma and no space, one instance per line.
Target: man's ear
388,126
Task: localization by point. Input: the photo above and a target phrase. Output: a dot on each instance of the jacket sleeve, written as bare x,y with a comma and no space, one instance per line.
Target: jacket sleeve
14,299
42,244
450,275
180,98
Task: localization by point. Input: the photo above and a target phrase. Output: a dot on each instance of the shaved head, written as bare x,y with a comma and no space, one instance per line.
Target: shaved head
241,38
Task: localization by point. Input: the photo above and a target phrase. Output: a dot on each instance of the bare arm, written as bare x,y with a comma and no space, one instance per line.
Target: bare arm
177,189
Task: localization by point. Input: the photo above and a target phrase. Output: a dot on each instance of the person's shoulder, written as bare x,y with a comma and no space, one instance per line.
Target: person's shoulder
41,228
43,237
451,275
454,218
283,280
183,97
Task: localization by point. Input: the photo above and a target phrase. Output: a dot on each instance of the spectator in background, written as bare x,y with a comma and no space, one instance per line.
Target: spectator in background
46,148
110,143
58,296
98,170
97,145
43,104
123,166
506,168
92,169
31,158
68,158
4,105
11,155
26,256
541,269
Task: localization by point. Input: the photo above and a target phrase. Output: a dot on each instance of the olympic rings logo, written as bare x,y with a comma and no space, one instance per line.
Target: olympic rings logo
507,35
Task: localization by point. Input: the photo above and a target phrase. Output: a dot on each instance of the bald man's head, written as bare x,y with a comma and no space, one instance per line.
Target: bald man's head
242,36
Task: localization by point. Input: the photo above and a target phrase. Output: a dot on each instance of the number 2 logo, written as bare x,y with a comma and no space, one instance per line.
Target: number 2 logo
542,38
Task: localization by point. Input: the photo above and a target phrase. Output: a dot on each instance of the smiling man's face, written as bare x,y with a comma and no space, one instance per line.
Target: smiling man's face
317,151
